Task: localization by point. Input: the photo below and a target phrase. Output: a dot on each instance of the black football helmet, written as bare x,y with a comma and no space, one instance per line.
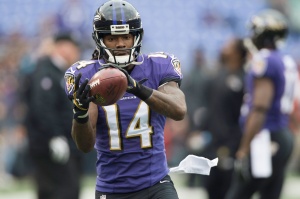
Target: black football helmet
117,17
268,28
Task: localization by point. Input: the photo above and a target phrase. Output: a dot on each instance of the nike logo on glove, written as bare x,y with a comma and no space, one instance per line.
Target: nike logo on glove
163,181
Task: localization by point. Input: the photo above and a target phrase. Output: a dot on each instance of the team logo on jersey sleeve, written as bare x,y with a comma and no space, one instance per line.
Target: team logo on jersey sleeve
258,65
70,81
176,64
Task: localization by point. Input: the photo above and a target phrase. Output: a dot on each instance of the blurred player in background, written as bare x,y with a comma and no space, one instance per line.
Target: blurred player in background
55,158
267,141
129,135
225,97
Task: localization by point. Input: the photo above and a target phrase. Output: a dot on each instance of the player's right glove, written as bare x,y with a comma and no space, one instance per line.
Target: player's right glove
81,100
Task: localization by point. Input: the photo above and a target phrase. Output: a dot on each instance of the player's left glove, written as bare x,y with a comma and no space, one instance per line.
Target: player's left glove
137,88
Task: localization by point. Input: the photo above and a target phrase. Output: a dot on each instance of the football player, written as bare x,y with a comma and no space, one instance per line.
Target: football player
267,141
128,135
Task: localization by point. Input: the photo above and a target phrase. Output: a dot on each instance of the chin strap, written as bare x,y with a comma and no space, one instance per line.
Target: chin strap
121,65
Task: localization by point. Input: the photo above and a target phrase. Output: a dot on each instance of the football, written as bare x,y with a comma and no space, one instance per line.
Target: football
108,86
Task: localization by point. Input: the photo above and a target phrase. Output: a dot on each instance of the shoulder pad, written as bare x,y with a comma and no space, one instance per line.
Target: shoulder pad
79,67
83,64
158,55
166,58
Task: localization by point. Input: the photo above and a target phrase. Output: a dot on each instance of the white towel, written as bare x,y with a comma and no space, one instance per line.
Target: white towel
261,157
195,164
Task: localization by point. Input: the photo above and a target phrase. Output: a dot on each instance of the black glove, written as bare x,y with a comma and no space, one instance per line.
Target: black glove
137,88
81,100
241,167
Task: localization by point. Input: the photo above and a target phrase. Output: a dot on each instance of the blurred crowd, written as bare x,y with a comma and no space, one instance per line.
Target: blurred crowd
207,38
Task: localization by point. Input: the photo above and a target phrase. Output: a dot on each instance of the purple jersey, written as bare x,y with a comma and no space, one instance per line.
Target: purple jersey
130,137
282,71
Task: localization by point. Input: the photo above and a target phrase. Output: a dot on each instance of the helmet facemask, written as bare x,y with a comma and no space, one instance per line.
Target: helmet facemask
111,58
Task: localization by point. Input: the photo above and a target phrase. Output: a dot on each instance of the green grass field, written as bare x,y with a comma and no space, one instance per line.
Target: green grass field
23,189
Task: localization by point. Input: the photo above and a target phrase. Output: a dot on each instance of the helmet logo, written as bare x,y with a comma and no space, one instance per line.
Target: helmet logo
97,17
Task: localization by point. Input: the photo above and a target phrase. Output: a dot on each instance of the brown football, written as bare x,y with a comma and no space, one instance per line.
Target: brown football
108,86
